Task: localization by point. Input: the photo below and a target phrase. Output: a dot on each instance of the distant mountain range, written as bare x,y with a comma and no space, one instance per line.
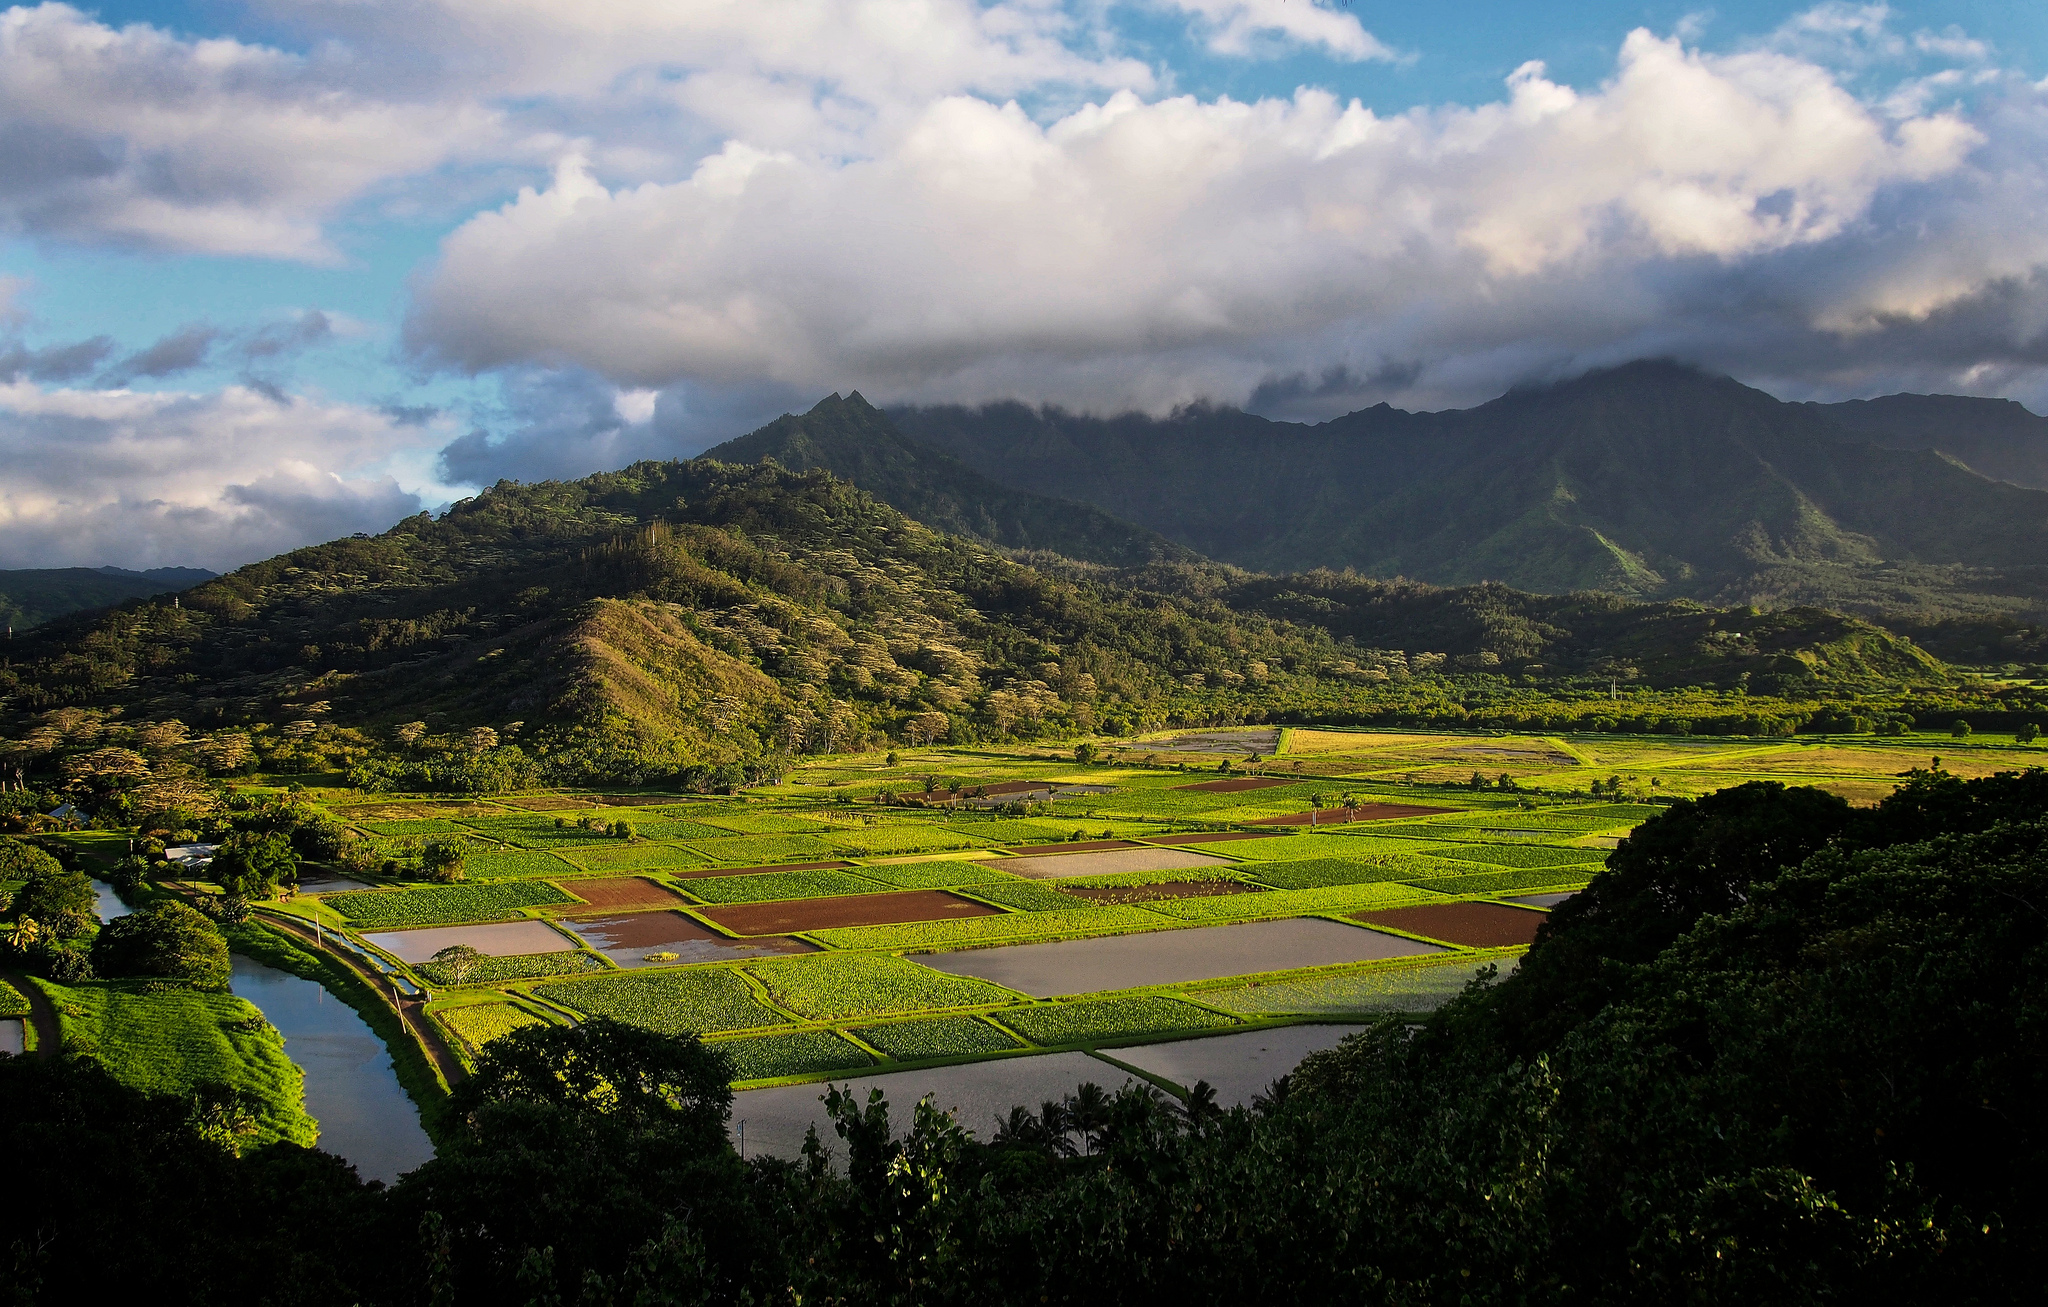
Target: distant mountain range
31,596
1652,480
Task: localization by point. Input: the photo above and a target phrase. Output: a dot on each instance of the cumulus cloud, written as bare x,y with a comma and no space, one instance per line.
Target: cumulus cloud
142,480
135,136
1149,253
1252,26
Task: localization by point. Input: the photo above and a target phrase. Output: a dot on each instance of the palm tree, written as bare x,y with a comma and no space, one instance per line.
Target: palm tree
1086,1112
24,935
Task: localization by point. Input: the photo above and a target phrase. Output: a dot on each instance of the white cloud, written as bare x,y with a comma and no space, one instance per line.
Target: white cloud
1241,27
112,476
138,137
1134,252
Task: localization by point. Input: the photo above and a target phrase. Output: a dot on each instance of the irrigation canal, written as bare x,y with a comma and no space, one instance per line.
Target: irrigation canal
352,1089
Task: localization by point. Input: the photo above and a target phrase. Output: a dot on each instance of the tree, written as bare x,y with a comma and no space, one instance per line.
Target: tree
441,860
2027,733
61,901
1960,729
608,1067
1084,753
458,962
166,939
19,861
252,864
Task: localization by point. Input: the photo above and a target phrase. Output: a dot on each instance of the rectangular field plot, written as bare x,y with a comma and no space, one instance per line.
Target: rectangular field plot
518,966
831,986
1362,812
1506,882
480,1023
1252,740
936,875
624,892
1024,895
665,939
765,848
494,864
1523,855
899,839
1317,873
499,940
1081,966
699,873
633,857
1072,846
1211,837
1544,901
797,1053
829,913
1165,889
1475,925
978,1094
1000,927
1239,1067
1109,1019
765,887
1053,866
1404,989
1290,902
911,1041
673,1002
1236,785
735,822
426,907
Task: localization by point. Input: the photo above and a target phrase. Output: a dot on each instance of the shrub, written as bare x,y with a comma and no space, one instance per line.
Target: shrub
59,901
252,864
19,861
166,939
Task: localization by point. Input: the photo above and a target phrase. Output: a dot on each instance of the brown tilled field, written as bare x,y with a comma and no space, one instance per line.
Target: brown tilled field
1173,889
1363,812
1475,925
1236,785
698,873
851,910
623,892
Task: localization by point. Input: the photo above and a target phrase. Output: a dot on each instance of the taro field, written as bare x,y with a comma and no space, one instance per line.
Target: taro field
812,930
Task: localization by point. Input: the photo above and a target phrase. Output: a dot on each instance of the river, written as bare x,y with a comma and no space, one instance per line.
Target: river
352,1089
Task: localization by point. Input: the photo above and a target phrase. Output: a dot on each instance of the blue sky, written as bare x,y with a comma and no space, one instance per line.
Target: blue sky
281,269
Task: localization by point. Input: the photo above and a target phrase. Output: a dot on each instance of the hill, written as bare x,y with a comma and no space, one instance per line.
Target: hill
856,442
698,614
29,597
1997,437
1651,480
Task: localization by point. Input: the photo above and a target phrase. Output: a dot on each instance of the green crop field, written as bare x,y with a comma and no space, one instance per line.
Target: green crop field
671,828
795,1053
1024,895
674,1002
407,829
768,886
937,875
1509,882
827,986
479,1023
522,966
1522,856
899,839
492,866
1404,989
1315,873
910,1041
737,822
443,903
765,848
169,1041
1289,902
632,857
1110,1019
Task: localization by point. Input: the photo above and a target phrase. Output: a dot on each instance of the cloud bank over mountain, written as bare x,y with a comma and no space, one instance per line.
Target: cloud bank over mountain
655,226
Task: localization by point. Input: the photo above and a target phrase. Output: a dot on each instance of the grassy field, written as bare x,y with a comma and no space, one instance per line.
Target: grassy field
1542,814
167,1042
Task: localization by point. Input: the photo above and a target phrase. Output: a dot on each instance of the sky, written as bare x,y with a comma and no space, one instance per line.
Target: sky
272,271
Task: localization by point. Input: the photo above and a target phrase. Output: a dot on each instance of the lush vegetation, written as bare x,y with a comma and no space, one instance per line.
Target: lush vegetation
1089,1020
829,987
909,1041
673,1002
380,910
792,1053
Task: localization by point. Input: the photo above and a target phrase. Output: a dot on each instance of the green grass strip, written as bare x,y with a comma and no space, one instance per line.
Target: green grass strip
673,1002
443,903
1110,1018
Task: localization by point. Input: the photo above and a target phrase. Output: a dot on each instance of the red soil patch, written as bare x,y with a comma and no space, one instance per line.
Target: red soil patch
1238,784
1213,837
623,892
851,910
1363,812
1173,889
1077,846
701,872
1475,925
644,929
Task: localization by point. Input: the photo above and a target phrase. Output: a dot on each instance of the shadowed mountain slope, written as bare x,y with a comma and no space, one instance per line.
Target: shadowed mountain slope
31,596
1997,437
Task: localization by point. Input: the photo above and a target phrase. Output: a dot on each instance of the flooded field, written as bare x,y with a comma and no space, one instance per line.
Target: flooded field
1079,966
499,940
629,938
793,915
1475,925
1053,866
624,892
1239,1067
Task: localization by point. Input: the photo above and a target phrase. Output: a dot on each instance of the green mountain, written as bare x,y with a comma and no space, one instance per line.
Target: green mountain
32,596
685,614
856,442
1997,437
1650,480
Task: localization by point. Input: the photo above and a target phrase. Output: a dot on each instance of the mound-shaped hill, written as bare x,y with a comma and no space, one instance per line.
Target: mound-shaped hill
1997,437
678,614
31,596
1649,480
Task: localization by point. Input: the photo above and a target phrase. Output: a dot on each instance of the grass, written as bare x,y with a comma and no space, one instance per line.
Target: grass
911,1041
936,875
796,1053
404,829
769,886
1507,882
762,823
1523,855
988,930
1404,989
443,903
633,857
479,1023
831,986
1289,902
1109,1019
764,848
170,1041
1330,844
674,1002
670,828
490,866
519,966
12,1002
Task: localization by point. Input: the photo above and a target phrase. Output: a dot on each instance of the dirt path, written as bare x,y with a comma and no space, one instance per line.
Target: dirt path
411,1011
42,1013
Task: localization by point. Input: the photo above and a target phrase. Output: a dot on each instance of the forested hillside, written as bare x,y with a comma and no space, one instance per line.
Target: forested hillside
701,615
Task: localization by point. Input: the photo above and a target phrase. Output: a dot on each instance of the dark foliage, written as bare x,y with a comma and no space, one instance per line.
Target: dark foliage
166,940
